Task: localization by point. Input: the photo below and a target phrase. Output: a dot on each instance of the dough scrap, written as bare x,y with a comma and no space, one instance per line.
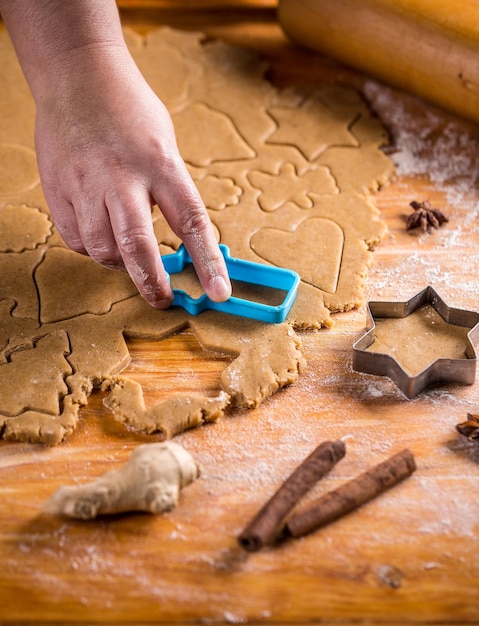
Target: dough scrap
169,418
419,339
286,175
269,358
150,481
263,368
39,427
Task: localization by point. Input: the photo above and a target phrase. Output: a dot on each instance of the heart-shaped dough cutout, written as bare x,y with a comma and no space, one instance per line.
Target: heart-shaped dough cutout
314,250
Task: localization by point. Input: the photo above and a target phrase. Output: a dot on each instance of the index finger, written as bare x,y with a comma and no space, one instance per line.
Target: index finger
186,214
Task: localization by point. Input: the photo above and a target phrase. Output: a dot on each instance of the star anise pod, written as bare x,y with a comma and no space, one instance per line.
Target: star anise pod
470,428
424,216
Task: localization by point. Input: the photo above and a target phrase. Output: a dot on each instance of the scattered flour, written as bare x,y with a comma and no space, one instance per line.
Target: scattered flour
429,142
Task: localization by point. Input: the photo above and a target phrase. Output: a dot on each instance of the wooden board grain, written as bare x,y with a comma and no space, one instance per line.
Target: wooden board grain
409,557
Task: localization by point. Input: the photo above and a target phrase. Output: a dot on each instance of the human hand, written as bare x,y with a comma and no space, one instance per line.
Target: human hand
107,152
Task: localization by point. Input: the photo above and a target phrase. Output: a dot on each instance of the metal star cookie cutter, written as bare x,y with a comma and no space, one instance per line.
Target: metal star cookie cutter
442,370
241,270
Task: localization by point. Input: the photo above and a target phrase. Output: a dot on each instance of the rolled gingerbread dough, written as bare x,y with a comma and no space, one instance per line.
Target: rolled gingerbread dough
286,176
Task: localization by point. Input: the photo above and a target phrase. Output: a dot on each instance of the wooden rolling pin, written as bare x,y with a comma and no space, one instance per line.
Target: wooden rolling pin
427,47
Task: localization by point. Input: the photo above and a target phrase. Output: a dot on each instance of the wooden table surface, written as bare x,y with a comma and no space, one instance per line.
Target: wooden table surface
409,557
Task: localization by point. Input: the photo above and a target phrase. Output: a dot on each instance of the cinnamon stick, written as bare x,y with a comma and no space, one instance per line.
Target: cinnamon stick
264,527
351,495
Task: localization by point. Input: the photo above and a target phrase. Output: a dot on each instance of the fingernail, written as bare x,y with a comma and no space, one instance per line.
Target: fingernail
162,304
219,290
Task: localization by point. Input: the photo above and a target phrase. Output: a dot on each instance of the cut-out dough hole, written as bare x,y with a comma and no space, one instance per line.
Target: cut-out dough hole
175,365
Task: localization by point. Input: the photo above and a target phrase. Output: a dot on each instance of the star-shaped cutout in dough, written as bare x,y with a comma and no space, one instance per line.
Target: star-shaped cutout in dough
418,343
313,128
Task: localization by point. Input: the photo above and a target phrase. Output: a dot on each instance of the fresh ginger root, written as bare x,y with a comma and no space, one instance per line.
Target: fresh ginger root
150,481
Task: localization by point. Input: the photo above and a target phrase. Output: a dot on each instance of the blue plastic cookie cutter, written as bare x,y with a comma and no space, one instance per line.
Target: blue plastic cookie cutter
241,270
